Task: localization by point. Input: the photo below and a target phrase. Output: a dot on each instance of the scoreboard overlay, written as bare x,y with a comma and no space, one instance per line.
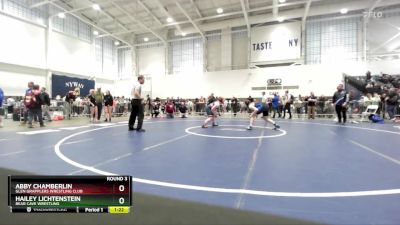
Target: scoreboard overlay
69,194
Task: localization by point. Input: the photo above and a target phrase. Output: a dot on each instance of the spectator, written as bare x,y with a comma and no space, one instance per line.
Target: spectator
197,105
183,109
93,105
170,109
163,107
210,99
263,98
45,98
27,93
149,105
190,106
352,103
311,102
35,106
86,106
99,101
391,103
382,105
282,100
177,104
202,103
321,103
287,104
156,108
306,105
275,105
269,103
367,100
298,105
1,105
243,107
10,105
375,99
235,106
69,100
368,76
77,91
108,106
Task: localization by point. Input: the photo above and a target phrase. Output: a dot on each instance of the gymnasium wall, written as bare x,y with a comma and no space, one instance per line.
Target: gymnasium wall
23,56
22,43
239,83
388,66
23,59
151,61
14,79
70,55
322,79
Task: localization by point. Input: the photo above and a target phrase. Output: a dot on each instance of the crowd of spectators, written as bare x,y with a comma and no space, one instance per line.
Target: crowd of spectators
382,91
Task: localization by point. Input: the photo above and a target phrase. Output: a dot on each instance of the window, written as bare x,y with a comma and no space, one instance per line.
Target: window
330,39
214,35
71,25
84,31
21,9
125,66
106,57
98,43
151,45
185,55
238,34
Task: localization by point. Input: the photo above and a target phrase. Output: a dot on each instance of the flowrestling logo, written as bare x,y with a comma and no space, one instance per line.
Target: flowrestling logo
373,14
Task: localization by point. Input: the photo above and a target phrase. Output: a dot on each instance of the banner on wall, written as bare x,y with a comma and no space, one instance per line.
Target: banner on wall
276,42
62,84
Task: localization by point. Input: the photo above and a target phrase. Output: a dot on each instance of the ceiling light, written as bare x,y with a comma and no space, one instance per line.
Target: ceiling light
281,19
220,10
170,20
344,11
61,15
146,39
95,33
183,34
116,43
282,1
96,7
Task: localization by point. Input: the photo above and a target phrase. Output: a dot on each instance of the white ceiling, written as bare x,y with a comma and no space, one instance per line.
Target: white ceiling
127,19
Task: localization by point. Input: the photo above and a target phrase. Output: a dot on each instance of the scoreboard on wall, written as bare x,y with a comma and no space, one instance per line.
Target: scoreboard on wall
69,194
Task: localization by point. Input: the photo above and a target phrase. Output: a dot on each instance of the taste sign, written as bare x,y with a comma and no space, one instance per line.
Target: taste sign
276,42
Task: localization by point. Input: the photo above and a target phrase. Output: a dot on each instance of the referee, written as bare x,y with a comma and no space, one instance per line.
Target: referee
137,106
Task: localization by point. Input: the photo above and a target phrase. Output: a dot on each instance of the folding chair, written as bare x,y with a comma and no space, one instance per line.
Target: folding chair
371,109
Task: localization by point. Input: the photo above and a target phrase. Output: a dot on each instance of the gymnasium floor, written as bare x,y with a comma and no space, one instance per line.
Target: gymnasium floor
310,170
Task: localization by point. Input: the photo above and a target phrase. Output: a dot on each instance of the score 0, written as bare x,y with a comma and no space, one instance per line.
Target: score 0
121,200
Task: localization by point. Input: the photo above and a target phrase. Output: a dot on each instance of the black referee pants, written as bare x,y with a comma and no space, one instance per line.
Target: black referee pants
341,113
137,111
